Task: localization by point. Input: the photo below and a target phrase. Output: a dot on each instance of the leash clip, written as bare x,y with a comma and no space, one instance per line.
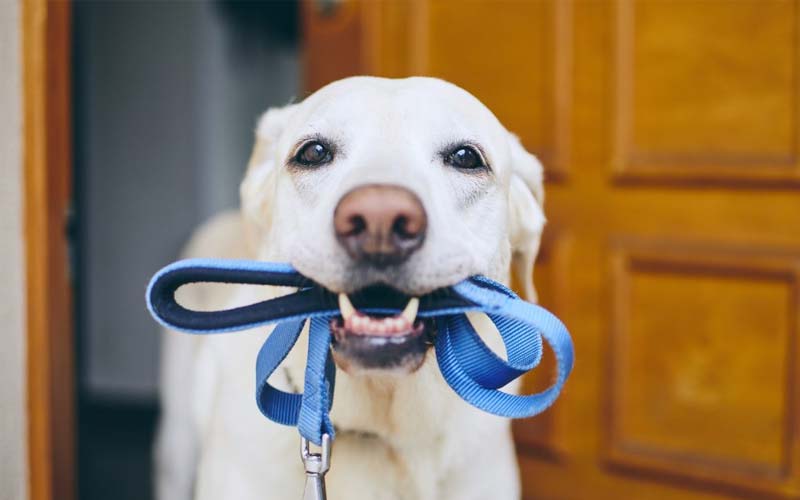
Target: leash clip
316,466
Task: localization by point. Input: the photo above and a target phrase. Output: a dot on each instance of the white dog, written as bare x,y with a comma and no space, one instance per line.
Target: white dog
411,184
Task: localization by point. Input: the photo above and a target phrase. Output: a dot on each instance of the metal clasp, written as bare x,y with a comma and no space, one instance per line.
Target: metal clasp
316,465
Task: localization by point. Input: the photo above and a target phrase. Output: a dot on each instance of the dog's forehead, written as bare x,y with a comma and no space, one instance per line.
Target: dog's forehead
397,105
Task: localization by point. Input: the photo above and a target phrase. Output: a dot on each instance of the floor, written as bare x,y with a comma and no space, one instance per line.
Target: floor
115,451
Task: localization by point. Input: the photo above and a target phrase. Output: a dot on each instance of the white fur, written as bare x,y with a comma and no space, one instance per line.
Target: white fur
400,436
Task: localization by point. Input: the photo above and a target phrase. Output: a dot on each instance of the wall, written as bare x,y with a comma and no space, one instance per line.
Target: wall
167,97
13,472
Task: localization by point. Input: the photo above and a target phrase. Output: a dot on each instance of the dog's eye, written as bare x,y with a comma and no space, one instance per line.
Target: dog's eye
313,153
465,157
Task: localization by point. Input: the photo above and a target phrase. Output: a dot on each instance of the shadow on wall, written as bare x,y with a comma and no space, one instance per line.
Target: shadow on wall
166,97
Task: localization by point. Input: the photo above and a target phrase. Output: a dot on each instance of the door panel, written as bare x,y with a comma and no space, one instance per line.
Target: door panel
700,380
669,133
706,89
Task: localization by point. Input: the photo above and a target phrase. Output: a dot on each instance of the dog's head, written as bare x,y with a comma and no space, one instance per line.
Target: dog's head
381,186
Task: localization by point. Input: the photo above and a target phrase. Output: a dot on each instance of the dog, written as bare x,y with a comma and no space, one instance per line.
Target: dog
408,183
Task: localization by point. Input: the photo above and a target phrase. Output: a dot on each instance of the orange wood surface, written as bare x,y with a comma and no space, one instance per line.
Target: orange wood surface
670,133
47,162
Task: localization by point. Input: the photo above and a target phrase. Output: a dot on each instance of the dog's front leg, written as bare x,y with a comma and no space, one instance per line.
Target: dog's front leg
484,465
243,456
365,468
266,468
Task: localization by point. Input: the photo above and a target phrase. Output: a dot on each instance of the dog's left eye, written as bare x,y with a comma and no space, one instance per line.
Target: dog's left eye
466,158
313,153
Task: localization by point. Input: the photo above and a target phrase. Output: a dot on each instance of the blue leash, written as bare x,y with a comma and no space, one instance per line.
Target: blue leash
471,369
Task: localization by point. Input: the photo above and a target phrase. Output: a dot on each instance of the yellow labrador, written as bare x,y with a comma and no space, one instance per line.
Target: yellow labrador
411,184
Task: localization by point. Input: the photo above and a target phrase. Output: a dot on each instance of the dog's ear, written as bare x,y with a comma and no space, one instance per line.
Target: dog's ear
526,214
258,187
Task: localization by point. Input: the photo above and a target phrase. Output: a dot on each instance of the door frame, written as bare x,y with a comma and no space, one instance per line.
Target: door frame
47,188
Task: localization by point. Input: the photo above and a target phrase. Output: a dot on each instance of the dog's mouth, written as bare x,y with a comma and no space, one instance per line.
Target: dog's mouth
366,339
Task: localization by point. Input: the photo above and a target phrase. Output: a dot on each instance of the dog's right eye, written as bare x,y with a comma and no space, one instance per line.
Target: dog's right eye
313,154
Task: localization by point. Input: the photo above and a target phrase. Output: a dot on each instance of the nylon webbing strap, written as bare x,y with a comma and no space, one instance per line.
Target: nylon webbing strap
471,369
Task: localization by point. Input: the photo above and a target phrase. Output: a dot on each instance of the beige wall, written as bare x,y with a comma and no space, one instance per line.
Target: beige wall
13,471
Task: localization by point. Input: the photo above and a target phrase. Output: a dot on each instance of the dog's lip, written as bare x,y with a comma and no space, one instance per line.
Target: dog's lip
342,334
400,353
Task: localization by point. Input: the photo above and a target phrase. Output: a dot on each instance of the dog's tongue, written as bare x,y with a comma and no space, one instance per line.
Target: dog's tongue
358,323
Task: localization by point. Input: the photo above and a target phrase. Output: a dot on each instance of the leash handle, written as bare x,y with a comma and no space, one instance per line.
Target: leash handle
310,301
166,310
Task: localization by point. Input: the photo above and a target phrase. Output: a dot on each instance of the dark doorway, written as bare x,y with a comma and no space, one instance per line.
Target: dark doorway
166,96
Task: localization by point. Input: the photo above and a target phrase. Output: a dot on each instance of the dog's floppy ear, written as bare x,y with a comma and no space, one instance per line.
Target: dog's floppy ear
526,214
258,187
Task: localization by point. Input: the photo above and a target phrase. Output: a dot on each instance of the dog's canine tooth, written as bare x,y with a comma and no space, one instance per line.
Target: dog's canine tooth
346,307
410,312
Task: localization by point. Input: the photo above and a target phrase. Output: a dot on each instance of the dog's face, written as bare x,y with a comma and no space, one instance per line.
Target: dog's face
391,187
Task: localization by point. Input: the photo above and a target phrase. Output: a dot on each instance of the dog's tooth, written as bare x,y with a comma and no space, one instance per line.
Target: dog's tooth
345,306
372,326
410,312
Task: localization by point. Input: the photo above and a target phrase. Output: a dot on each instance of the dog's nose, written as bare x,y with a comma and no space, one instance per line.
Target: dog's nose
379,224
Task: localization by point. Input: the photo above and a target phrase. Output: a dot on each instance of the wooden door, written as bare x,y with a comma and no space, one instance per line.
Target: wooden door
670,134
